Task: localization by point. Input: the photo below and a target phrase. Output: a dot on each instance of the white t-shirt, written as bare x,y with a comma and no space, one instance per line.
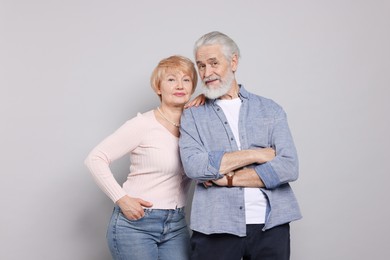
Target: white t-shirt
255,200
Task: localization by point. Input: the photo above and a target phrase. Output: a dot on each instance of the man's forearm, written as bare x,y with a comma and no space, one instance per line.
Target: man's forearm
234,160
246,177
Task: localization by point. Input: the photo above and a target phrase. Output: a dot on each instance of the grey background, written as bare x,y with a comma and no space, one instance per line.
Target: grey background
71,72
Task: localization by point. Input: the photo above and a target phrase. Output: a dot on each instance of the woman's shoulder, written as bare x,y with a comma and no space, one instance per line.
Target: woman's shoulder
146,115
142,119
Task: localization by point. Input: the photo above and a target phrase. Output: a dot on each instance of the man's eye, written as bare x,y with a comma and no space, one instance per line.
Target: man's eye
171,79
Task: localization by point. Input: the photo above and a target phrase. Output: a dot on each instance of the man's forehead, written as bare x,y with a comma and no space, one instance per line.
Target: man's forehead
208,53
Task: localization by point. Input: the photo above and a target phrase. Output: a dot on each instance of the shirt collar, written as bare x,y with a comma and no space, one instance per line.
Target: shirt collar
243,93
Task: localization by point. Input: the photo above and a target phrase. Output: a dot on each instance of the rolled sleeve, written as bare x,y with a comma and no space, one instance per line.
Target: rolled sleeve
284,167
215,159
267,175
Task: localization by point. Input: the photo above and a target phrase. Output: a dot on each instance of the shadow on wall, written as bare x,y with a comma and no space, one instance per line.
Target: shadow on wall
95,209
92,227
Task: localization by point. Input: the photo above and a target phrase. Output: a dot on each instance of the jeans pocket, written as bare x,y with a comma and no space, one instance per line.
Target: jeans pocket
146,213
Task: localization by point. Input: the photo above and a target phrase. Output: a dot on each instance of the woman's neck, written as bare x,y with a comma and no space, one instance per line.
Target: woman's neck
170,115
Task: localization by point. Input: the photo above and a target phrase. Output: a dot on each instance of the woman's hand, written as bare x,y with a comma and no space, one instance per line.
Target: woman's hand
132,208
199,100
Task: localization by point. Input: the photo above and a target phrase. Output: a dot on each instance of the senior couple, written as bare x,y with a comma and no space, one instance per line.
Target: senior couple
237,147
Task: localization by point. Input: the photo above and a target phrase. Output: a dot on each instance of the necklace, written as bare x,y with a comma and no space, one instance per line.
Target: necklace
173,123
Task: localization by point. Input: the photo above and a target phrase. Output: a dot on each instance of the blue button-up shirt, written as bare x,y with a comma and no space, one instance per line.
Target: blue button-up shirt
205,136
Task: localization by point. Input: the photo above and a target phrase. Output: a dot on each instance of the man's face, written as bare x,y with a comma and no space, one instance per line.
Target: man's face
214,70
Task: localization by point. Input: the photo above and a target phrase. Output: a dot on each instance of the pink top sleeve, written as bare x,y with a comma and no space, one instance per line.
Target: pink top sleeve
121,142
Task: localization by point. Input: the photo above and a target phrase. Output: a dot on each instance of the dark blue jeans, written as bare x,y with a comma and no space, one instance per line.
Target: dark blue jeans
272,244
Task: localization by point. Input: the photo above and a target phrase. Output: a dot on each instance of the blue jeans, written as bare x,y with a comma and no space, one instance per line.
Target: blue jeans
160,234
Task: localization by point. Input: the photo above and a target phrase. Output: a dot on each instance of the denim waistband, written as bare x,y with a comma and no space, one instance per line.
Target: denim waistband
179,210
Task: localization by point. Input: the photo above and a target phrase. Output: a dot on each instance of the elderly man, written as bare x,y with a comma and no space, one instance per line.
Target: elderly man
239,148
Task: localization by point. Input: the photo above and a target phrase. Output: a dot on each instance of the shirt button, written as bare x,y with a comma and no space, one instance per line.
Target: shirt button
217,109
241,207
231,138
225,123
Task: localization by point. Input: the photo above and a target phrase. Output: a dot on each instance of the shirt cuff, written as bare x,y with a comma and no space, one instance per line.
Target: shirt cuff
267,175
215,159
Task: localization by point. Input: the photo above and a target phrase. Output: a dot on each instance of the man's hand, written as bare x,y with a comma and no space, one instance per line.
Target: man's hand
207,184
265,154
221,182
132,208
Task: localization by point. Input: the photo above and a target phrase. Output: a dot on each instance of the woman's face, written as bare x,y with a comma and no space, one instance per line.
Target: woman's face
175,88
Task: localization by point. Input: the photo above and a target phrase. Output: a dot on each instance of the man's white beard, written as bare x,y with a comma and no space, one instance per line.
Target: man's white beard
213,93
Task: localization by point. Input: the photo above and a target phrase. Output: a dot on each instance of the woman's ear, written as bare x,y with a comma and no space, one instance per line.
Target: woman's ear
158,90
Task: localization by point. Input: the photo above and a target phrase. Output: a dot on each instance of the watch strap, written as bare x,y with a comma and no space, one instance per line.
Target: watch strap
230,179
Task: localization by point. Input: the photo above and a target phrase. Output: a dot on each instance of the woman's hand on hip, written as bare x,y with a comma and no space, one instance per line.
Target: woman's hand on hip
132,208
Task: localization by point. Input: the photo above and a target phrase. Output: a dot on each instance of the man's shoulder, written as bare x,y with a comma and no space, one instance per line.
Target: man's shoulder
264,102
255,98
198,110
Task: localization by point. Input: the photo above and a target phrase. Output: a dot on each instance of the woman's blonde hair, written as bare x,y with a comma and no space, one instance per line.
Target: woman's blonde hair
173,64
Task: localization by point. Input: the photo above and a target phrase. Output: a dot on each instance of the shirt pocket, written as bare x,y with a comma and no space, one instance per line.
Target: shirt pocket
259,133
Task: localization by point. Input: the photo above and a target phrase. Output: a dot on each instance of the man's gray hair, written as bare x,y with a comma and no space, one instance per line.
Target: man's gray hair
229,47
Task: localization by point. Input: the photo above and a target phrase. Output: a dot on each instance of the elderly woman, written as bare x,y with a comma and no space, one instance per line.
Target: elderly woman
148,220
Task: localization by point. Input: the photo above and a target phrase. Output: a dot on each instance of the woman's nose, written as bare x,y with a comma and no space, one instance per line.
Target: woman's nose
179,85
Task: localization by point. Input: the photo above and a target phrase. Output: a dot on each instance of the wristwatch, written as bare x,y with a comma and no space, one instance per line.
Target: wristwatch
229,177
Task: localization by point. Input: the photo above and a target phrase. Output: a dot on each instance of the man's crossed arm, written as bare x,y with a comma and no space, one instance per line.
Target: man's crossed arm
237,161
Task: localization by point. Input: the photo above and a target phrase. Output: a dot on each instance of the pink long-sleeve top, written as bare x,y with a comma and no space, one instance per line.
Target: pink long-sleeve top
156,174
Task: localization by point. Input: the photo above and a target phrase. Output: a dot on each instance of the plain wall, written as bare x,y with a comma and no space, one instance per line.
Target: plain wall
72,72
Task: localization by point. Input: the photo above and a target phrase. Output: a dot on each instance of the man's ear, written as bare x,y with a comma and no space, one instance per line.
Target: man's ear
234,62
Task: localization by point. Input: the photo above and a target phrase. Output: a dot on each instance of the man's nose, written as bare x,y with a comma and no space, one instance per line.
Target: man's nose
208,71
